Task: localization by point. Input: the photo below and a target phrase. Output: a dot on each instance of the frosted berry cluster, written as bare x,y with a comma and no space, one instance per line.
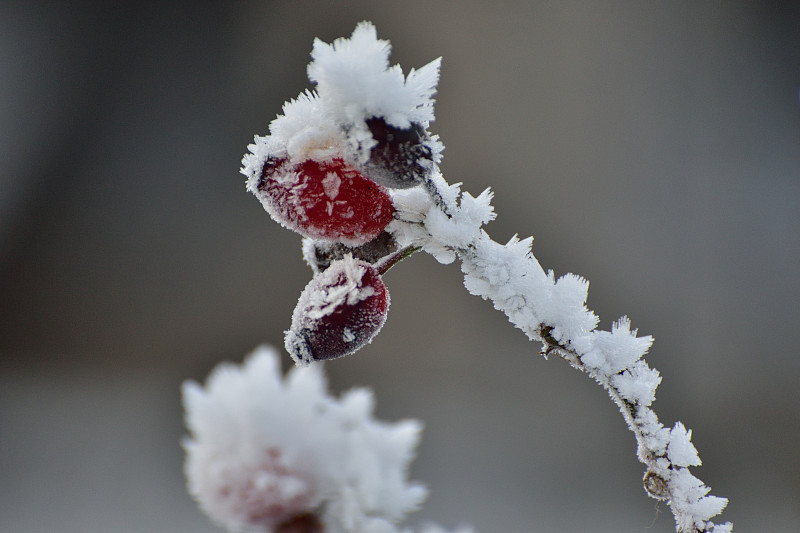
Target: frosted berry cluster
326,171
352,167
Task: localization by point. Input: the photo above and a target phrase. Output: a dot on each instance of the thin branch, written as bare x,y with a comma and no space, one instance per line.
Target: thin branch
553,312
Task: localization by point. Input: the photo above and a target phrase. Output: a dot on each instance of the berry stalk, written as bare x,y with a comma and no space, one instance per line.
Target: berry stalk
384,264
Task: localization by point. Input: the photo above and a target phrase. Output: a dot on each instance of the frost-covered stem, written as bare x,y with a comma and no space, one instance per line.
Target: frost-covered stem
433,191
552,312
391,260
653,483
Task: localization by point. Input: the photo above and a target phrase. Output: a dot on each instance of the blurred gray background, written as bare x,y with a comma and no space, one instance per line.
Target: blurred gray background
652,147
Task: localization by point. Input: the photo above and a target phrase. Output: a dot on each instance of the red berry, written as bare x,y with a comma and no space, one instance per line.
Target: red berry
327,201
401,158
339,311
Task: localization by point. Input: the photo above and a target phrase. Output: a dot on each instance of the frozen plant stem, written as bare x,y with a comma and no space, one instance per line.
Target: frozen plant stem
353,168
384,264
553,312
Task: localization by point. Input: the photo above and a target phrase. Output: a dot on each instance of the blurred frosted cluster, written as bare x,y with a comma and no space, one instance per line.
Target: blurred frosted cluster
265,451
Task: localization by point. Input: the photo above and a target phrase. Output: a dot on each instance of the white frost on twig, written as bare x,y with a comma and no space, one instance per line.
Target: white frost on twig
419,222
552,310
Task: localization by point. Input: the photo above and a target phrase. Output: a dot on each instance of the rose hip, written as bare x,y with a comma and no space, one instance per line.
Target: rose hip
328,200
339,311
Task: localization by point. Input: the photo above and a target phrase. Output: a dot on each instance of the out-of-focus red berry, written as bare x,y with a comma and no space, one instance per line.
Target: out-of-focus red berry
328,200
339,311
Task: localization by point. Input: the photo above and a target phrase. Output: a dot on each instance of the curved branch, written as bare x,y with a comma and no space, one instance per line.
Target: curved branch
553,311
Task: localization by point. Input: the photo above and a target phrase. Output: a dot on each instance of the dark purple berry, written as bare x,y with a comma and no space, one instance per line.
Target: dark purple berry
339,311
401,158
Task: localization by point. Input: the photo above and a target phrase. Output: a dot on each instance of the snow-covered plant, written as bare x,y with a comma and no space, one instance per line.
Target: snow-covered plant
268,454
352,167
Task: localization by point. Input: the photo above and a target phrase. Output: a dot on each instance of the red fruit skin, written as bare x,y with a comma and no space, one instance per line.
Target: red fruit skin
331,321
327,201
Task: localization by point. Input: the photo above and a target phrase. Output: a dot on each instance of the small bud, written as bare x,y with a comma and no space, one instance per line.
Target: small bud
339,311
400,158
655,485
